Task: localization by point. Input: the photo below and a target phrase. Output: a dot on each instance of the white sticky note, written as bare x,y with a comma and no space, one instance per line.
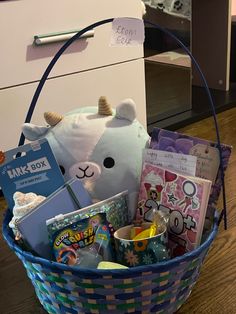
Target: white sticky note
127,32
181,163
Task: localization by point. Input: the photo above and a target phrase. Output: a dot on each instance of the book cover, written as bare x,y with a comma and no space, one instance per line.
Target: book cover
207,153
183,197
32,226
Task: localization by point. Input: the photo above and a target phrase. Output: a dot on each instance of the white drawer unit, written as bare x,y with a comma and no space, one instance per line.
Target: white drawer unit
89,68
66,93
22,61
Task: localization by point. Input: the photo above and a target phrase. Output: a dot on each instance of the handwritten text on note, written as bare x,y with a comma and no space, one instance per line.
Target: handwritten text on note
127,32
208,161
185,164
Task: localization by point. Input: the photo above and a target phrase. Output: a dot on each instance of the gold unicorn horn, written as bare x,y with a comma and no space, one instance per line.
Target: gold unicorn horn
52,118
104,108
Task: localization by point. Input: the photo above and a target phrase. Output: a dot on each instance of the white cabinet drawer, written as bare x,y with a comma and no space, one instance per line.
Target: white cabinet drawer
21,61
62,94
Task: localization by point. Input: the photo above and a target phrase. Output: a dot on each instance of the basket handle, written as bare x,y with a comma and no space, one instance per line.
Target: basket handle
42,81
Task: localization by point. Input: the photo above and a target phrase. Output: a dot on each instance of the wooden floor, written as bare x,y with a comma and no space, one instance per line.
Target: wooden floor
168,90
214,292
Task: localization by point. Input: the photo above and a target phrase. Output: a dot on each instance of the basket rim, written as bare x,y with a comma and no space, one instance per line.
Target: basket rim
138,269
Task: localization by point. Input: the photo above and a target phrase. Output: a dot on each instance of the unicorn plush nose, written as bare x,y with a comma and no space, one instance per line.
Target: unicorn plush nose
85,171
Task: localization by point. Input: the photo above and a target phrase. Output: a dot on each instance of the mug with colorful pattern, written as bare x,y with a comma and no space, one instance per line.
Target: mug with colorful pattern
140,252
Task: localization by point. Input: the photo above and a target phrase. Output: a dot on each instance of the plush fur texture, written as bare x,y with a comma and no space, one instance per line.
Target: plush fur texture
104,151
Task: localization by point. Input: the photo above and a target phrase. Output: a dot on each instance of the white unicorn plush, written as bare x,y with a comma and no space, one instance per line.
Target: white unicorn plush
100,146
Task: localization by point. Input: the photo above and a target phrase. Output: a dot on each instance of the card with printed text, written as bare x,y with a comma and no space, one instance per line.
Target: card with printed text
34,170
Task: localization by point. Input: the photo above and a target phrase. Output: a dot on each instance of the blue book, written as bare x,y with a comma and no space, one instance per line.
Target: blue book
70,197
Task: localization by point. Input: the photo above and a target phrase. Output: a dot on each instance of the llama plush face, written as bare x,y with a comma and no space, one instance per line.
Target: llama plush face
101,147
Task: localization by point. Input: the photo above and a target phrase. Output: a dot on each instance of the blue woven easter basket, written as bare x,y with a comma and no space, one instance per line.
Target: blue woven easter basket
157,288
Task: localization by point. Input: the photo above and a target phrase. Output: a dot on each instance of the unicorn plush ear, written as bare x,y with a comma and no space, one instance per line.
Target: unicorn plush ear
33,132
126,110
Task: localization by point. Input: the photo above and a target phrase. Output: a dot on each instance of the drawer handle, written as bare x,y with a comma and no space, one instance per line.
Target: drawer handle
40,40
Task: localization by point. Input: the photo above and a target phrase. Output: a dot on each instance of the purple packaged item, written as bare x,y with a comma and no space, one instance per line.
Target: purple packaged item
207,152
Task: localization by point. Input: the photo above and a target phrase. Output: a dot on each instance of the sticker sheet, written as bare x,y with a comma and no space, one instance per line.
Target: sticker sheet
184,198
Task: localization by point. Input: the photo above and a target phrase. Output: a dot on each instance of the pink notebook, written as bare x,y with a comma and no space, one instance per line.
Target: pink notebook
184,198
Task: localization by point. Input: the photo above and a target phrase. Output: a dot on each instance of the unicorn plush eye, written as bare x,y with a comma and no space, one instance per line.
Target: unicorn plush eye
108,162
